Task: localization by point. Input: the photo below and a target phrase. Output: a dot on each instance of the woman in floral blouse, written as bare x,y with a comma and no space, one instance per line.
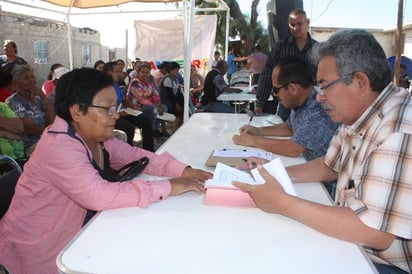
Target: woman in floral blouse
143,91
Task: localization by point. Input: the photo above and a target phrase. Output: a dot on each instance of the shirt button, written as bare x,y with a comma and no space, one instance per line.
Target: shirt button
161,198
353,147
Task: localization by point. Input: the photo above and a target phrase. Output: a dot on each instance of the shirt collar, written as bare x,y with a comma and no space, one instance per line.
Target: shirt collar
374,108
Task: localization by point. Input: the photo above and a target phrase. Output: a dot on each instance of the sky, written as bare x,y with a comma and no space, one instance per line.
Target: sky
368,14
346,13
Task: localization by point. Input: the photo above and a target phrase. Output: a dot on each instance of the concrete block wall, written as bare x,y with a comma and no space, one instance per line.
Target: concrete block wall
24,30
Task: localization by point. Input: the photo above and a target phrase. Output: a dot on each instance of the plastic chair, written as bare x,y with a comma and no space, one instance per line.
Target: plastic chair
9,174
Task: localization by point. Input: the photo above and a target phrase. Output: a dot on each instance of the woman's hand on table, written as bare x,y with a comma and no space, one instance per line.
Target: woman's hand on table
183,184
196,174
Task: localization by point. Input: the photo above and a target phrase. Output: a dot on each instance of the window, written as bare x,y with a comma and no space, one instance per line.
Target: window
86,56
41,52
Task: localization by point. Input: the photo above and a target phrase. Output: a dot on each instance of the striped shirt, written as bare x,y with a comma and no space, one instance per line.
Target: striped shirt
282,49
373,158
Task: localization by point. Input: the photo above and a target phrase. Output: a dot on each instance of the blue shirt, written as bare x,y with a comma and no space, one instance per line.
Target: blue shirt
312,128
119,93
231,64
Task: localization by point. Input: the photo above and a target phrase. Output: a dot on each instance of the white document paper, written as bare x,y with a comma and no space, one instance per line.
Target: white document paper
277,170
131,111
224,175
166,117
242,153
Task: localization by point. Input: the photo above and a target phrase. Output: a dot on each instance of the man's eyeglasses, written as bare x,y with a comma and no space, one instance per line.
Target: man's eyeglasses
321,90
111,110
276,90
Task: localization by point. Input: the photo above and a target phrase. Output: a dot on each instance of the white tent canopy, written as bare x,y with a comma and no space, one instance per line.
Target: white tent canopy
87,7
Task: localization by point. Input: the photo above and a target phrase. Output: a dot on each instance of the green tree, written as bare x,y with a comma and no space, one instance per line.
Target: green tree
248,28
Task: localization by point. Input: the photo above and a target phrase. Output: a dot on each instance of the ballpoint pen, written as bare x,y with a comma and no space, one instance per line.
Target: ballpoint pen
251,114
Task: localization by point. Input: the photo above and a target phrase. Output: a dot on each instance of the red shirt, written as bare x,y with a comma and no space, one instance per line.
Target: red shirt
4,94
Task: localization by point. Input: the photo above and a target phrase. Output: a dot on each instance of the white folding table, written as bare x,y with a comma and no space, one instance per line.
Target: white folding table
181,235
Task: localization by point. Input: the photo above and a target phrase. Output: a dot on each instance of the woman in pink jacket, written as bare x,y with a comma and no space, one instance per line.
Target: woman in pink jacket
70,172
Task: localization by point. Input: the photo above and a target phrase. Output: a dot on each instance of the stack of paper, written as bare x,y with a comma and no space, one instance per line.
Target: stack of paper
131,111
220,190
166,117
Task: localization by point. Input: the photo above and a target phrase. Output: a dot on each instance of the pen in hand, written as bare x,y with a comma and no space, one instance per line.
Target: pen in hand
251,114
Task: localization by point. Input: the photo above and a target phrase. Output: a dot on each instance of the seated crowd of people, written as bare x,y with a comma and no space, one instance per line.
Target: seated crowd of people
143,96
347,119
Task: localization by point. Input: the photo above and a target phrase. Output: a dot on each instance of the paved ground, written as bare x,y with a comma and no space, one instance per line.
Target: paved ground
157,141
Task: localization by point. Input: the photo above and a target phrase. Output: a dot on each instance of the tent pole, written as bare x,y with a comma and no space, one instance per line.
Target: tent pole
226,7
188,23
69,34
398,46
69,39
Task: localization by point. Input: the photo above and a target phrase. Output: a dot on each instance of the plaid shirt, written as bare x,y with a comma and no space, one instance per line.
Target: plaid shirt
373,158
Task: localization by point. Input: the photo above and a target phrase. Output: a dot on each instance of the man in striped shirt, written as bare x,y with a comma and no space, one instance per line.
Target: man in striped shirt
370,156
299,43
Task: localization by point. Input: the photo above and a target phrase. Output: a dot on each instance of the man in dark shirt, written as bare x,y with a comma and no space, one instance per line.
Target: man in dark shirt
299,43
214,85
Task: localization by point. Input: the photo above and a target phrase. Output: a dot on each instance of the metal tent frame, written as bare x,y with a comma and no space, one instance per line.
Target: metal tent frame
88,7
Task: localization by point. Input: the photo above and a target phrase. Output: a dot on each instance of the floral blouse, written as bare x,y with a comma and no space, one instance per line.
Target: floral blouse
142,93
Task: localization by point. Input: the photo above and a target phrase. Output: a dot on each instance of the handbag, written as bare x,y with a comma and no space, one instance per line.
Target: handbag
131,170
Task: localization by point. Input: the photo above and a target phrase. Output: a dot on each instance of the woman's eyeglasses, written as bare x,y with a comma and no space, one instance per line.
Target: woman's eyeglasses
111,110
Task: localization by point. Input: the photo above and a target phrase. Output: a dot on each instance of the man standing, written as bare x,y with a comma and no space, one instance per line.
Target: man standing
309,127
255,63
214,86
299,43
369,156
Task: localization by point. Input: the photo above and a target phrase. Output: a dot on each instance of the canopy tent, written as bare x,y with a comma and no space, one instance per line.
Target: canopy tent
98,3
93,6
404,61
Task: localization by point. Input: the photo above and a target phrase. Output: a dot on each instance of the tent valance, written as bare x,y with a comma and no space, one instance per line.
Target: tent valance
99,3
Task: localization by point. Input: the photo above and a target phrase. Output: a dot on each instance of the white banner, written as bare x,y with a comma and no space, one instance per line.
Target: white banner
163,40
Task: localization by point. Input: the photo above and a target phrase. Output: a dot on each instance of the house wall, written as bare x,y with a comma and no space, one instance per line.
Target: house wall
24,30
386,38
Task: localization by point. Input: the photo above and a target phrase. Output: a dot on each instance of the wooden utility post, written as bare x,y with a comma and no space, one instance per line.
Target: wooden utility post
398,44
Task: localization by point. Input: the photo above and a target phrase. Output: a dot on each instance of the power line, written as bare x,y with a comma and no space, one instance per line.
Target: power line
323,12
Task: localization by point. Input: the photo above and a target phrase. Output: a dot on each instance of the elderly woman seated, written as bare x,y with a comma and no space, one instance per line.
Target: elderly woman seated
71,171
31,105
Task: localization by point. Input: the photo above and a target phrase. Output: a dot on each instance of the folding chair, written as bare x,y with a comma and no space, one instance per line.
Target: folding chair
9,174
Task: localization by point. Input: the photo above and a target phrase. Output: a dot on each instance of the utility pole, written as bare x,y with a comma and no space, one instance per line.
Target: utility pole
398,44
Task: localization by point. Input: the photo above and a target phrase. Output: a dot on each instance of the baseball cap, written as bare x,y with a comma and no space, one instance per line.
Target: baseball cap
59,72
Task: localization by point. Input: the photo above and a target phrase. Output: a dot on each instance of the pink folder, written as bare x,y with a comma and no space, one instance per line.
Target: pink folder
216,196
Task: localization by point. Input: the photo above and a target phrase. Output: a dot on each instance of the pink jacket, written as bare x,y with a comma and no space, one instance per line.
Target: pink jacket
57,186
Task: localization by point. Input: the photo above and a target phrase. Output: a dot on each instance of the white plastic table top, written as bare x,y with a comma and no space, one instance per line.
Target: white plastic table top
181,235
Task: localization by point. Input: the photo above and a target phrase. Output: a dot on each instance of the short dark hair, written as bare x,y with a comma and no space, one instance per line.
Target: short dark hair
5,75
163,65
109,66
98,62
172,65
221,64
12,43
297,12
79,86
52,68
294,70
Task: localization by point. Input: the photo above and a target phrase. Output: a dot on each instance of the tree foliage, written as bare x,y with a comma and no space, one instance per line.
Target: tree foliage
246,27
